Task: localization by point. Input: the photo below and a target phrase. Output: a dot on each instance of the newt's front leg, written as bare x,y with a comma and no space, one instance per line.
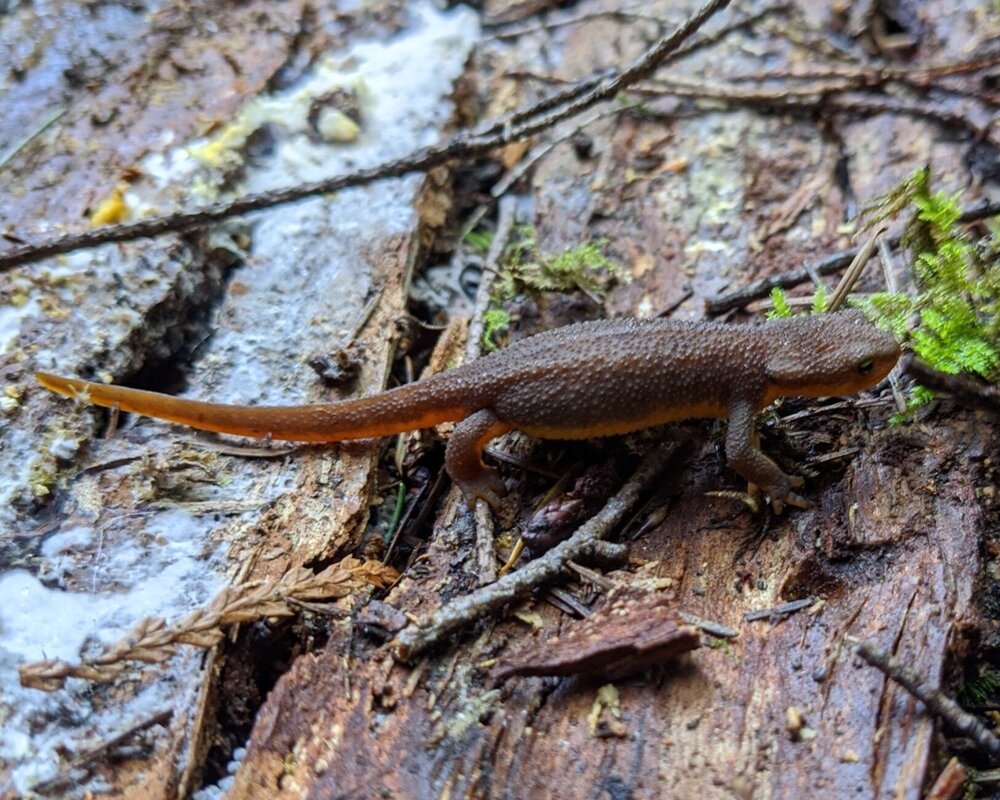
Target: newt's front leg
463,457
747,459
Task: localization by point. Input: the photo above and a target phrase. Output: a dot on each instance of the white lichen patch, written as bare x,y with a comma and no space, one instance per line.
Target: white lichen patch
165,574
305,283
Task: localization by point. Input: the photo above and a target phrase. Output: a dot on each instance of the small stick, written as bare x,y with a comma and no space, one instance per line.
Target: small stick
592,575
738,298
609,83
709,626
960,721
463,611
828,265
486,559
781,610
950,782
519,170
54,117
501,237
853,274
567,603
514,31
87,756
889,274
966,389
988,776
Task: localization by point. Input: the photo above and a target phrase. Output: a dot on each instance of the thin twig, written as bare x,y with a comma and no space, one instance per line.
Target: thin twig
463,611
486,559
892,287
988,776
54,117
65,775
468,144
961,722
853,274
516,31
583,87
829,95
950,782
965,388
894,105
874,74
592,575
523,166
782,610
709,626
828,265
484,295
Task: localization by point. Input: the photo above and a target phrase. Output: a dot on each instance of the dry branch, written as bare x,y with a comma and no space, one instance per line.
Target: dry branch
522,125
464,611
828,265
946,709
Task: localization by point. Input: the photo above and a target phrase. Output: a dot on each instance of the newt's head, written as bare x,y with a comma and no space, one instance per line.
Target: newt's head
827,354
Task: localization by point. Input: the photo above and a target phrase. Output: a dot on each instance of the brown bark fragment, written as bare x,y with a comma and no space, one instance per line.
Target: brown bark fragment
633,631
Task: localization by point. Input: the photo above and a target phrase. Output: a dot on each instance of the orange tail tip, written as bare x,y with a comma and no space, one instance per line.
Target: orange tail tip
70,387
403,409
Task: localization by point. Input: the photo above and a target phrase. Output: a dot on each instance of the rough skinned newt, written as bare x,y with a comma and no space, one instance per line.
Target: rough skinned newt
581,381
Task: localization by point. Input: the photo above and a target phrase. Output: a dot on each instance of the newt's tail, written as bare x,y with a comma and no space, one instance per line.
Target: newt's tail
416,405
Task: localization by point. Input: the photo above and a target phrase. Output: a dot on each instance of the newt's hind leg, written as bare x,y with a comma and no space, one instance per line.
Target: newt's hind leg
463,458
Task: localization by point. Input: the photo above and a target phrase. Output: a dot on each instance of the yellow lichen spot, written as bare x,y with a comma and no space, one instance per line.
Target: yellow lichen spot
112,209
210,153
221,152
335,126
643,263
607,698
51,306
11,400
530,618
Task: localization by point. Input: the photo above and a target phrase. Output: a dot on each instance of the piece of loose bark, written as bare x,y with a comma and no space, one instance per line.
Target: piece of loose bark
634,630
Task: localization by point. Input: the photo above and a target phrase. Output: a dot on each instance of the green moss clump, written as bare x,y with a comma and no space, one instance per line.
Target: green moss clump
781,308
951,322
981,690
527,270
495,322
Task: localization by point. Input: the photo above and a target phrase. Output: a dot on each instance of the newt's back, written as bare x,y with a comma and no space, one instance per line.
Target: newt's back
612,376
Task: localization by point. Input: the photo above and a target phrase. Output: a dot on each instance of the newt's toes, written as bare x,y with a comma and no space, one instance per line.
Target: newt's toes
778,503
797,501
487,487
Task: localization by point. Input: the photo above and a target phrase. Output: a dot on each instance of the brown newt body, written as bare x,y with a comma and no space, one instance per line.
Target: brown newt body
586,380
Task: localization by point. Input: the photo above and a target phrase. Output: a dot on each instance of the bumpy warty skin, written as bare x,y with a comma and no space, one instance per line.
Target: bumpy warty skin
592,379
618,375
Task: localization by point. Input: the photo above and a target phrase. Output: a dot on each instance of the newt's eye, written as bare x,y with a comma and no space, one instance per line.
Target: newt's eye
864,367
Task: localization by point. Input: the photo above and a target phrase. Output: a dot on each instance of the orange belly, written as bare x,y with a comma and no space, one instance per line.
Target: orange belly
614,427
